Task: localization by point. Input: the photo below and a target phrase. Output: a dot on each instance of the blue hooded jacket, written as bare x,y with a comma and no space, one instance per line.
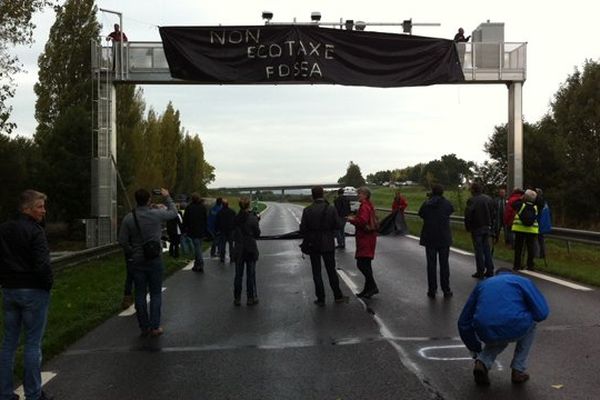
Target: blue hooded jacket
501,309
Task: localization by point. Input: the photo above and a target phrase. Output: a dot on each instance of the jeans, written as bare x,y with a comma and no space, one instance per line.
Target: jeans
522,347
250,279
174,242
198,260
225,238
483,253
522,238
340,236
148,278
334,281
215,244
27,308
442,253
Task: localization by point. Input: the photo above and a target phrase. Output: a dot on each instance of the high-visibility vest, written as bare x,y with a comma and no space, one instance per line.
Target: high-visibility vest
518,226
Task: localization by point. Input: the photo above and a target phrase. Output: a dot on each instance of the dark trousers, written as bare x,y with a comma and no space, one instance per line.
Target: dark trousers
364,266
174,242
483,253
334,281
224,239
442,254
250,267
521,239
128,290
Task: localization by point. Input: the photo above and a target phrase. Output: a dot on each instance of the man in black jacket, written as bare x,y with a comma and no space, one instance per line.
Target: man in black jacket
436,236
480,217
194,225
318,224
342,206
224,226
26,279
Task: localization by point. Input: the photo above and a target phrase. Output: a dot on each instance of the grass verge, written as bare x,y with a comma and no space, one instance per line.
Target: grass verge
82,298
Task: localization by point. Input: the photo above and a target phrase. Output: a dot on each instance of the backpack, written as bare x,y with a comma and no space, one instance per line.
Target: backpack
528,214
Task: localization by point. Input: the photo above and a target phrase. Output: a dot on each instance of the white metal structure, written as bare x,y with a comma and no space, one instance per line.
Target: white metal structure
145,63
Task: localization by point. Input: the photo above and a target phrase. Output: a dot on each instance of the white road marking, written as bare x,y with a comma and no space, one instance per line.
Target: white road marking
131,310
557,281
46,377
385,332
423,353
293,215
188,267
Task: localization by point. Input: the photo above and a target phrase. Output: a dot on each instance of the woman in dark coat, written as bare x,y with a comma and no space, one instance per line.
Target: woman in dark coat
366,240
437,238
245,252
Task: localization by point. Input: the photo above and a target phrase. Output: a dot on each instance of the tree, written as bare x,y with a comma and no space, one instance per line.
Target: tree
18,158
63,110
380,177
170,138
194,173
353,176
448,171
16,29
576,120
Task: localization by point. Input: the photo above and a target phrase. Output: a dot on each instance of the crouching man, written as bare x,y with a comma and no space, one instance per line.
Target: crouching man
500,310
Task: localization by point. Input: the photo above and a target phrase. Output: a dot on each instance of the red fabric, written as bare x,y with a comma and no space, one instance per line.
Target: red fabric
400,204
116,36
365,240
509,212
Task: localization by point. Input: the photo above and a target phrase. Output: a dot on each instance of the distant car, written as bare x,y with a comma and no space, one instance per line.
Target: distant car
352,196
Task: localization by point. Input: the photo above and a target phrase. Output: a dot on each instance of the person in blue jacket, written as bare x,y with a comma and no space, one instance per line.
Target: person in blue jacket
503,309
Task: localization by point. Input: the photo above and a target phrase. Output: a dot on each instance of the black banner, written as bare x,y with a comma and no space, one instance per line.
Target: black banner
309,55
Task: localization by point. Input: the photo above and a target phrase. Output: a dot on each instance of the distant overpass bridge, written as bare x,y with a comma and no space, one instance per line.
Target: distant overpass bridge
274,188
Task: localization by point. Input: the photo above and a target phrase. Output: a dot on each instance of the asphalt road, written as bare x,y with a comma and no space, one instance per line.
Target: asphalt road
397,345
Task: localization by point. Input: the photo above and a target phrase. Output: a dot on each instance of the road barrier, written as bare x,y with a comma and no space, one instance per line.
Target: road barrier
77,257
566,234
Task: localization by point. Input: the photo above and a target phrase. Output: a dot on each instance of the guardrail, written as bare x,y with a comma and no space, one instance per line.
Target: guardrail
566,234
77,257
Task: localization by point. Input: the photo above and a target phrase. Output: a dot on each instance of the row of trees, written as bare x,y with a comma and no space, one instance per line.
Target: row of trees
153,150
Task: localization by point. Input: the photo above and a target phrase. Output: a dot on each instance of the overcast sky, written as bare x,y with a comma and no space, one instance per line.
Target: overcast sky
308,134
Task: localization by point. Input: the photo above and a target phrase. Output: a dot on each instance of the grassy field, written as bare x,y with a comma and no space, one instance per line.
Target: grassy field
83,297
580,262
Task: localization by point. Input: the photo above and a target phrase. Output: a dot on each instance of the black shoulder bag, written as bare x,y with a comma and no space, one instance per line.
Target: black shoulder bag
151,248
309,246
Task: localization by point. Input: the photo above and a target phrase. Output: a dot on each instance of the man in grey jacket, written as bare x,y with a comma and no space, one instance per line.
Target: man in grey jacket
139,227
480,217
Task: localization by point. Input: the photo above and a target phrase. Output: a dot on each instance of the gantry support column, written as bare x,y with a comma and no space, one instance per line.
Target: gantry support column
515,135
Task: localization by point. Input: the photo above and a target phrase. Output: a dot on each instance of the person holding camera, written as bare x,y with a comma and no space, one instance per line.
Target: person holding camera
140,237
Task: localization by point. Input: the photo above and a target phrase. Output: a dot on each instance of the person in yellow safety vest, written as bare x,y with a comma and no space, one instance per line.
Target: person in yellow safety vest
525,228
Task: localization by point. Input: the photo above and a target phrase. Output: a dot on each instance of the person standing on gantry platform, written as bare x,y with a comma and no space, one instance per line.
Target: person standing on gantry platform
117,37
318,225
460,41
26,279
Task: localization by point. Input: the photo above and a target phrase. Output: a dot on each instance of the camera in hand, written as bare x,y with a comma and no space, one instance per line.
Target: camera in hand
156,192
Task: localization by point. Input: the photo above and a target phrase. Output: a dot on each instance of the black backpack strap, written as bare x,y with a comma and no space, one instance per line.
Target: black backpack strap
137,224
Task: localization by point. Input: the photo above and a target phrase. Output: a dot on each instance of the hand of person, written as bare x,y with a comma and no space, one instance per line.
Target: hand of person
164,192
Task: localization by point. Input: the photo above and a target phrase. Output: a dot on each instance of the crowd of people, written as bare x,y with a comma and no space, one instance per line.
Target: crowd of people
504,307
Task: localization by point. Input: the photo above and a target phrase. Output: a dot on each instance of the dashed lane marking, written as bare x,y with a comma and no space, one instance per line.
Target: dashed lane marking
131,310
46,377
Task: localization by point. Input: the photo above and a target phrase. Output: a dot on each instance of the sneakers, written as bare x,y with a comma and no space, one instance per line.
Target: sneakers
320,303
127,302
198,269
518,376
480,373
431,295
237,302
252,301
448,294
478,275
